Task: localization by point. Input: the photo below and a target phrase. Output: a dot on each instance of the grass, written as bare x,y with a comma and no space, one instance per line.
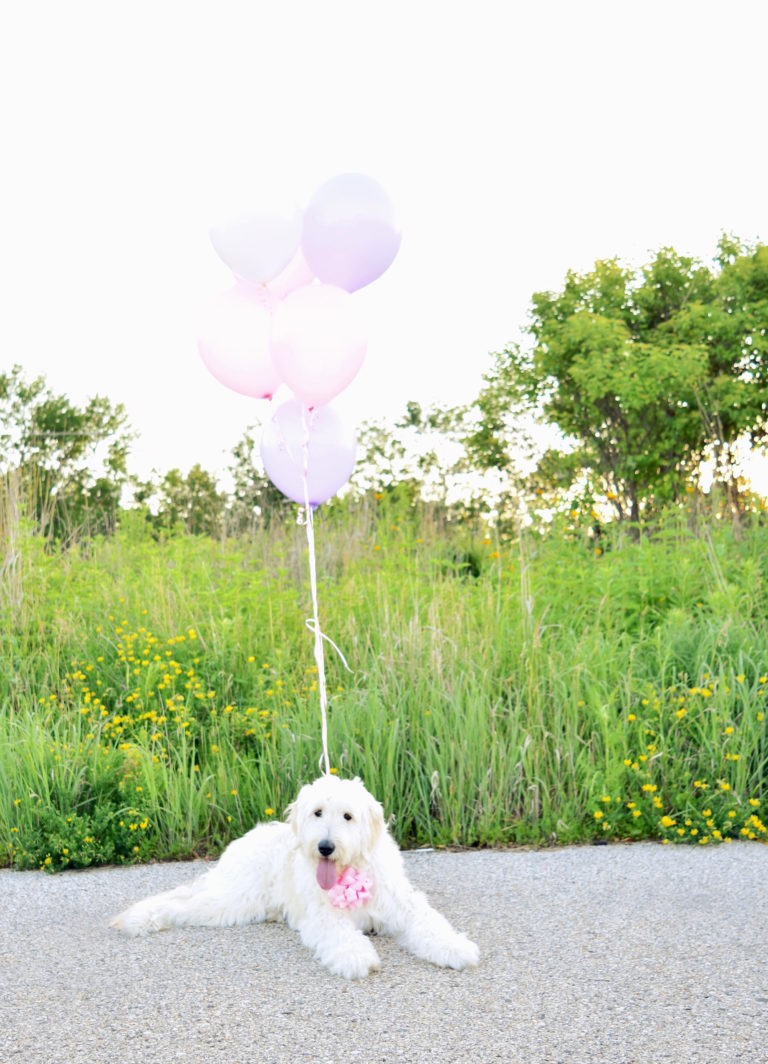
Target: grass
157,698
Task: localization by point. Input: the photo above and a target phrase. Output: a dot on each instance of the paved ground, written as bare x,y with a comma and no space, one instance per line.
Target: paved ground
609,954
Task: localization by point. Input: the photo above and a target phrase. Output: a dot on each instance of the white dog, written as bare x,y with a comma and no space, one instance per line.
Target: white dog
332,872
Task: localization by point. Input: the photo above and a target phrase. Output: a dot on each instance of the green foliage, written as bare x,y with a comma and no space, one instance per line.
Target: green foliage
157,697
67,464
644,375
191,504
254,500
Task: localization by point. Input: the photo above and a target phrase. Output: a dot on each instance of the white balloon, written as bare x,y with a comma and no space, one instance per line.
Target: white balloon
258,246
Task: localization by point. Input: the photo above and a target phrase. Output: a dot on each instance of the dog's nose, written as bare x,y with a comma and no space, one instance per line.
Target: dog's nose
326,847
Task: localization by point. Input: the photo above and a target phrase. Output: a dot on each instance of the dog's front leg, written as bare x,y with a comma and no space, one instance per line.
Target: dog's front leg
426,933
338,944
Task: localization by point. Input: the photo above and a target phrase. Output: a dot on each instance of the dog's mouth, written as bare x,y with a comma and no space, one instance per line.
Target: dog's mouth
326,873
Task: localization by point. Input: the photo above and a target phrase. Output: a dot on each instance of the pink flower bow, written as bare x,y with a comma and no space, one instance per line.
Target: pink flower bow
351,890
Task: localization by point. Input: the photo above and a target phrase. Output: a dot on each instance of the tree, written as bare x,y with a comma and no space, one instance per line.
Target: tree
68,462
732,327
254,498
641,373
192,503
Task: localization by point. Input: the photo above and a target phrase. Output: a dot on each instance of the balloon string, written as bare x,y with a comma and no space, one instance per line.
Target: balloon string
310,623
314,624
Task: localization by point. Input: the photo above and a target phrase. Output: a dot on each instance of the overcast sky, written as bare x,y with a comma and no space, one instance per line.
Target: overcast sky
516,140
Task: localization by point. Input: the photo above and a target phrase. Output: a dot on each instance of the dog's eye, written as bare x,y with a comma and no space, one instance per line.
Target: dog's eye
347,816
318,812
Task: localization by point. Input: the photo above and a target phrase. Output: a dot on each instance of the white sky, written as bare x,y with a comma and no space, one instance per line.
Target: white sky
516,140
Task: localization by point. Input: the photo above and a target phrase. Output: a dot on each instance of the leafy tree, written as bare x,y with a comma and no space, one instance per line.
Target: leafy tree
254,499
643,374
732,328
190,503
68,462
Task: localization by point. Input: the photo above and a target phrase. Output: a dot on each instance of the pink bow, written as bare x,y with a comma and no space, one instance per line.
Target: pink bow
351,890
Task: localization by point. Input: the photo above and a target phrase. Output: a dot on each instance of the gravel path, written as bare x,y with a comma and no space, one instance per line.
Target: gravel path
609,954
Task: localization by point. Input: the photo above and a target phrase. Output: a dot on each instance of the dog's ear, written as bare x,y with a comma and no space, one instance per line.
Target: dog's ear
292,811
291,815
374,817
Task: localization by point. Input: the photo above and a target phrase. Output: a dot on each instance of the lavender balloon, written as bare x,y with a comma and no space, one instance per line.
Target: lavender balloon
331,450
350,236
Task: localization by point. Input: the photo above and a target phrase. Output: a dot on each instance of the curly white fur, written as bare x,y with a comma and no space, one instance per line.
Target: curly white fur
271,874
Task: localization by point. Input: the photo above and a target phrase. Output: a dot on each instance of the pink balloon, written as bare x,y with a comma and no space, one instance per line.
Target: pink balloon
331,450
318,344
295,275
234,340
350,237
259,246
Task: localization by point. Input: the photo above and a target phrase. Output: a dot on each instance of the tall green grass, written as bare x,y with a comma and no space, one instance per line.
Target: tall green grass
158,698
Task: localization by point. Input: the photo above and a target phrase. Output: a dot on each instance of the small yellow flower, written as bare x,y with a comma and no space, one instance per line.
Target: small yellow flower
269,811
668,822
334,772
598,814
631,717
754,802
740,678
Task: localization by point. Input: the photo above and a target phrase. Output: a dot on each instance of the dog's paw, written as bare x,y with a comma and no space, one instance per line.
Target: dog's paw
136,920
354,963
460,953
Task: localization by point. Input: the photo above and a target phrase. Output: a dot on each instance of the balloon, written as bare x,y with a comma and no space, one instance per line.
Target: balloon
295,275
350,236
234,341
331,450
318,343
257,247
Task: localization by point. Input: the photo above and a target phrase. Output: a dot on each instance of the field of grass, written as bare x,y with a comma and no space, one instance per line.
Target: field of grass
158,698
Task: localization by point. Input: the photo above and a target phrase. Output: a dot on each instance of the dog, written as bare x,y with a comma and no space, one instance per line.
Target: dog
332,872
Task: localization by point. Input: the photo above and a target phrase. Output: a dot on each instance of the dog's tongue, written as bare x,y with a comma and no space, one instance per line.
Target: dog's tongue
326,873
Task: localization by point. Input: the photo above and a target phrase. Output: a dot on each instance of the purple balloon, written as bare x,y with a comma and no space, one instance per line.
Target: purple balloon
331,451
350,236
